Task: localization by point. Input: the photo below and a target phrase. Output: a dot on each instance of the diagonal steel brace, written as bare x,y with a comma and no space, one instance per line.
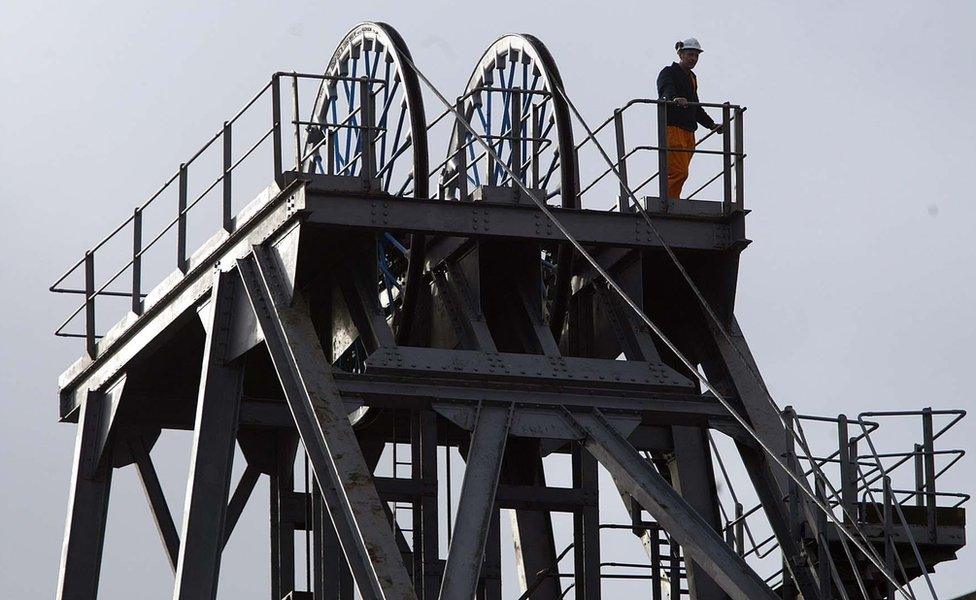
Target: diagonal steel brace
320,416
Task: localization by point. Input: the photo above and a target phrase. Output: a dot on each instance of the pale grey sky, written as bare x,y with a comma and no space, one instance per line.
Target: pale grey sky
856,295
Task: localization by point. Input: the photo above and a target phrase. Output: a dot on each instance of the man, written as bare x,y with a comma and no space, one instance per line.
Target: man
677,83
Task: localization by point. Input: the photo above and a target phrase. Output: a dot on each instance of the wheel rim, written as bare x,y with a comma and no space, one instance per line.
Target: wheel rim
376,54
517,78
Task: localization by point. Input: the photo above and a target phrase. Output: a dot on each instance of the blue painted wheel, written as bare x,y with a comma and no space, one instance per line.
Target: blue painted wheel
513,100
373,128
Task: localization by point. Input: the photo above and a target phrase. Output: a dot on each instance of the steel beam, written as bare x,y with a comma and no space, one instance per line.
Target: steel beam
84,530
491,571
157,500
425,425
212,457
535,550
320,416
701,543
488,220
239,500
477,503
463,308
693,478
586,527
338,582
282,526
356,278
174,301
732,361
633,376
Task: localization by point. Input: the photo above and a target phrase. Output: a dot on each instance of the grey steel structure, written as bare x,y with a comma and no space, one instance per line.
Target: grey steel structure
368,302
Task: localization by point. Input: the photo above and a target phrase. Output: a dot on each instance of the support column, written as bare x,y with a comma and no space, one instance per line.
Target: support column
586,527
212,458
157,500
477,503
732,361
84,530
699,540
491,572
340,469
535,550
425,519
693,477
282,485
338,583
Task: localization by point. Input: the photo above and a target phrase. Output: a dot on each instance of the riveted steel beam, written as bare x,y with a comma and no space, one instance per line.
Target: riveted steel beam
84,531
157,500
343,476
212,456
488,220
477,503
700,541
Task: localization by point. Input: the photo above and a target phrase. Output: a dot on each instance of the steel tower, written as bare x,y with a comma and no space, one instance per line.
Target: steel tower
401,325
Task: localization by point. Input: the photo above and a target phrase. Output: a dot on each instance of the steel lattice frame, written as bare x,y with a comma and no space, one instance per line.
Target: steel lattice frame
351,311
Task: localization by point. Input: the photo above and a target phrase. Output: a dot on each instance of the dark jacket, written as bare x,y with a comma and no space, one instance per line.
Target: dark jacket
675,82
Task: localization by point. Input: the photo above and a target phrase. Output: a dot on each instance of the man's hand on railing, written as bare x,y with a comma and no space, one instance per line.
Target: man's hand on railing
681,100
719,128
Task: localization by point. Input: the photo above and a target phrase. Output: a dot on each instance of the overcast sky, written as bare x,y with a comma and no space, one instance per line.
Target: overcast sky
857,293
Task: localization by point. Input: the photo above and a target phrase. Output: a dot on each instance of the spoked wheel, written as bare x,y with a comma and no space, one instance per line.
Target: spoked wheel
511,100
372,128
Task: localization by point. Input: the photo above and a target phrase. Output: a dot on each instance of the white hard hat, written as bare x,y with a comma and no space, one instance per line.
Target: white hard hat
689,44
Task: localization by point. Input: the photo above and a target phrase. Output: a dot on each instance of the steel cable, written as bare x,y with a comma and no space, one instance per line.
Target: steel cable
866,548
647,321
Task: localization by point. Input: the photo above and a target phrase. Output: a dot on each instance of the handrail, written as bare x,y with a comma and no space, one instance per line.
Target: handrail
869,469
636,149
92,291
732,153
636,101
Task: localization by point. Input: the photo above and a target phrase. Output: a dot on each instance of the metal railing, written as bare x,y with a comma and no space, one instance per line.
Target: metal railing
732,153
667,570
92,290
861,476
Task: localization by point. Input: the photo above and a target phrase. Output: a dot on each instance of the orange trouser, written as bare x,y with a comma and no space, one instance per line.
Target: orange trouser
678,162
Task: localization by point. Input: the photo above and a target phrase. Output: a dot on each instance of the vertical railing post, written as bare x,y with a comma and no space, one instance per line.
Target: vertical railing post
852,453
489,157
674,569
515,135
889,527
848,474
740,526
662,153
137,261
623,199
919,475
655,534
276,128
461,156
330,150
928,440
823,563
726,158
181,222
367,134
228,218
790,590
535,145
298,127
90,304
740,155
